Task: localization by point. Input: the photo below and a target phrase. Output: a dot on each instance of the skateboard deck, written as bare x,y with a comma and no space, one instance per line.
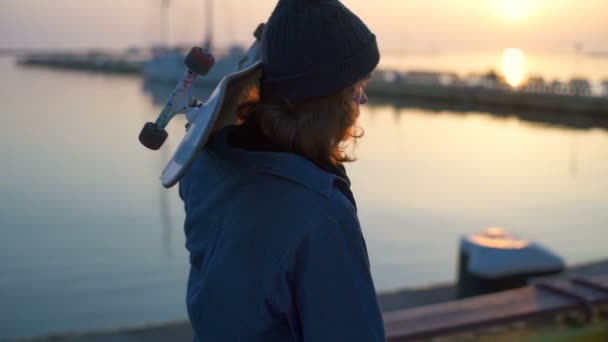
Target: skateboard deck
203,118
207,120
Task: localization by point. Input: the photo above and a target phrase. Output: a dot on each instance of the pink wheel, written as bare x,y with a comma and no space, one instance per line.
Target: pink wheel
200,61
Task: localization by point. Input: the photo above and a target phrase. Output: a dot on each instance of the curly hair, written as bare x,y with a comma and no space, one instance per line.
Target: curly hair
319,129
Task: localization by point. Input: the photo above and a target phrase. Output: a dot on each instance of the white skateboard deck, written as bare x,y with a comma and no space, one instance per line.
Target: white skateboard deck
212,116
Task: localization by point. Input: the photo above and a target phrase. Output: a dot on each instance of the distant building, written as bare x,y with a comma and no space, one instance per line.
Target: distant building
580,86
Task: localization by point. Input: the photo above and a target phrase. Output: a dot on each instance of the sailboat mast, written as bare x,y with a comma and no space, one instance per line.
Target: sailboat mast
209,31
164,25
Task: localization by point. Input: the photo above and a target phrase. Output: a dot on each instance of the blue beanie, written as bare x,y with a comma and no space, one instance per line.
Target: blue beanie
314,48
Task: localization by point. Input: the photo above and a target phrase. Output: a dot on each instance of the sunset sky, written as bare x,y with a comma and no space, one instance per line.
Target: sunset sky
467,25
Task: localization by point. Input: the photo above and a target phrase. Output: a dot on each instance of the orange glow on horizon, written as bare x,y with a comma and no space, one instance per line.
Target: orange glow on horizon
513,66
513,9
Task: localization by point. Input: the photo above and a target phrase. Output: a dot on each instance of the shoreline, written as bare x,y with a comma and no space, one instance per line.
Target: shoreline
399,299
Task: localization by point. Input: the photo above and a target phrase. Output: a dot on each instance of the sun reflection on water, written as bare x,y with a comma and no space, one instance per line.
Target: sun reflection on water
513,66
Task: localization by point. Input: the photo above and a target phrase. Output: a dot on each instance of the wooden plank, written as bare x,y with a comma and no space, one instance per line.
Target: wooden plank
531,302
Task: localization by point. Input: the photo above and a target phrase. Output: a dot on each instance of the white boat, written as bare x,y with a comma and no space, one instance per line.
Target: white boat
169,67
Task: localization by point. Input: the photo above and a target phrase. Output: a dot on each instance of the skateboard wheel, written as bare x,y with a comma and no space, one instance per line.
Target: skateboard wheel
152,137
200,61
259,32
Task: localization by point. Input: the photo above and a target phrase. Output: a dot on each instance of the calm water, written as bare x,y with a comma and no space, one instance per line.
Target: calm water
90,240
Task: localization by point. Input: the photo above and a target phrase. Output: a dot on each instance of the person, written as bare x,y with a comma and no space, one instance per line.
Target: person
276,249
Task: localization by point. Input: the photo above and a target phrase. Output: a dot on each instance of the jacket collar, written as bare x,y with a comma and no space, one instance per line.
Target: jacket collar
285,165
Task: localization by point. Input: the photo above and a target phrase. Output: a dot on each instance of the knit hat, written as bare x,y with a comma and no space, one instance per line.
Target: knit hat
314,48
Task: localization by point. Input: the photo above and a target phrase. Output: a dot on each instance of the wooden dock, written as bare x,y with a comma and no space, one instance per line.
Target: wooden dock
585,300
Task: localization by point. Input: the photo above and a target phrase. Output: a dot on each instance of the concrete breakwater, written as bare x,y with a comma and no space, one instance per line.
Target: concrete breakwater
391,301
93,61
576,96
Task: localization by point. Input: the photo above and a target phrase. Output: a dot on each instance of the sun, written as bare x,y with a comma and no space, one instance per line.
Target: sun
513,9
513,66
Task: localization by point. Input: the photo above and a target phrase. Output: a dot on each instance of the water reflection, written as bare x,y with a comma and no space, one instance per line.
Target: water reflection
159,92
573,157
444,173
165,206
569,120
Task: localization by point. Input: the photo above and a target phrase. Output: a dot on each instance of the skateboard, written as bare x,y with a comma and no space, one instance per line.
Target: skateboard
203,118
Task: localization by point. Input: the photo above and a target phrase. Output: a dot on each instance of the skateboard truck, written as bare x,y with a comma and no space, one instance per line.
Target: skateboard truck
198,62
218,111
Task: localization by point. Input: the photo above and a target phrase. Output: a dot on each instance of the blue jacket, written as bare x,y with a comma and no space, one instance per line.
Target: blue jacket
276,251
